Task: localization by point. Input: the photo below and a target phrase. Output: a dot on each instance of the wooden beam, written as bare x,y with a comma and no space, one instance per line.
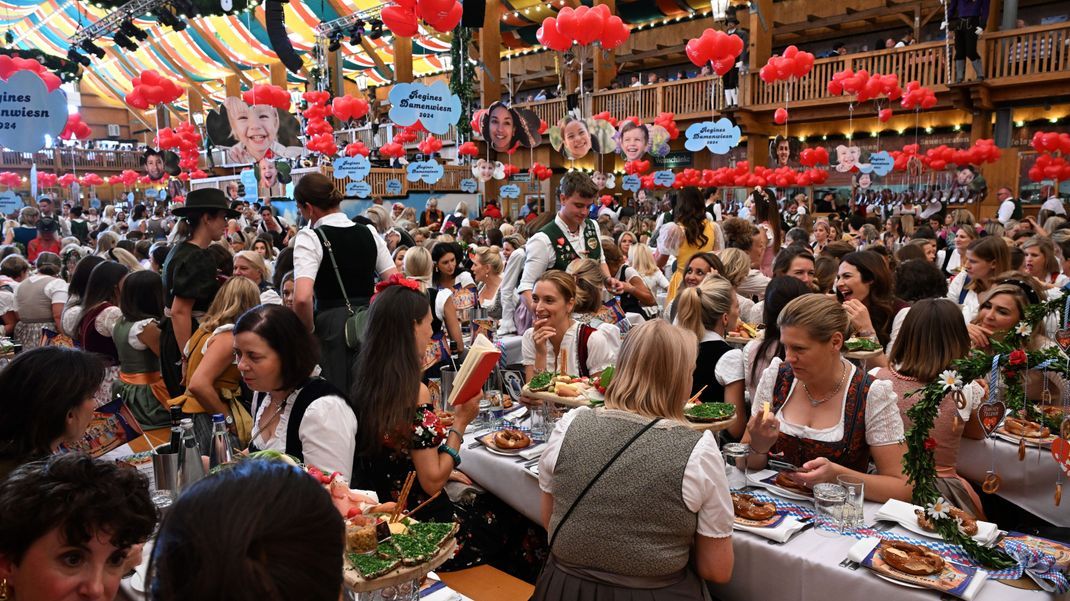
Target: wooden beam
402,59
232,86
844,18
490,51
761,38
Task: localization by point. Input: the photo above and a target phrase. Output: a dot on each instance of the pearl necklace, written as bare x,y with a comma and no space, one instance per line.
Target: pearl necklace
815,402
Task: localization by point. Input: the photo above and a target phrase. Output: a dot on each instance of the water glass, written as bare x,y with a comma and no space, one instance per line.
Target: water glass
497,412
828,500
735,460
852,505
482,421
541,421
448,374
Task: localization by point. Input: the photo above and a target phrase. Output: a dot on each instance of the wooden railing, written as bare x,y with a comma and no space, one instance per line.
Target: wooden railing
926,63
451,180
688,98
1027,52
71,158
550,111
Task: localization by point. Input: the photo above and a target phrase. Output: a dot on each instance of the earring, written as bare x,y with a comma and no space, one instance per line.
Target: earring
3,590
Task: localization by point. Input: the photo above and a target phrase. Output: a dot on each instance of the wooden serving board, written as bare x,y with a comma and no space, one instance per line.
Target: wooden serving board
579,401
862,355
711,426
356,583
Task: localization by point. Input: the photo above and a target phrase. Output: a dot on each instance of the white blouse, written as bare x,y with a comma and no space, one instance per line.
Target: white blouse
704,487
884,425
328,432
602,349
970,303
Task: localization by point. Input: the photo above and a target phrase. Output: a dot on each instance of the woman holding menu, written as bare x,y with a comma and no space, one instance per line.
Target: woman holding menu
818,412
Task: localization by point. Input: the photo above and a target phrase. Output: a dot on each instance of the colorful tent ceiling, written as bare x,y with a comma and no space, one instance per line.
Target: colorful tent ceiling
193,56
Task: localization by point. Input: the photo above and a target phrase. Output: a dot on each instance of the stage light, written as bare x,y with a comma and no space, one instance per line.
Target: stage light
74,56
377,30
92,48
167,18
130,30
336,42
354,35
123,41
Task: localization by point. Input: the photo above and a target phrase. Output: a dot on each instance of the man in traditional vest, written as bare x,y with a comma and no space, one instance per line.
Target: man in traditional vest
571,235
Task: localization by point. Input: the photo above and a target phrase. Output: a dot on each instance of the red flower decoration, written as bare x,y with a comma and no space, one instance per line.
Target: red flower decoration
930,444
397,280
1017,357
561,241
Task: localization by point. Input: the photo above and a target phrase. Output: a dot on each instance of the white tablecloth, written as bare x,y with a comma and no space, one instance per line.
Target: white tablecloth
804,568
1029,484
513,353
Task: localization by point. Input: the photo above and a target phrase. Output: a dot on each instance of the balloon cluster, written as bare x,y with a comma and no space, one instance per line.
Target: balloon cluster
865,86
393,150
91,179
430,145
982,151
150,89
668,121
197,174
477,121
582,25
605,116
540,172
267,94
401,16
349,108
1047,165
356,148
67,179
510,170
183,138
318,131
10,179
46,180
543,126
715,47
812,157
917,96
794,64
468,149
129,177
636,167
10,64
113,180
76,128
901,158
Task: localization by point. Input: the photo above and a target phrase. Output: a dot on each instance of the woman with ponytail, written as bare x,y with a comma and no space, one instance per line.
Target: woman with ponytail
711,310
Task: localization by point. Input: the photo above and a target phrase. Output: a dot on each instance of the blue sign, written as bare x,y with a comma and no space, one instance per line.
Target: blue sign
426,171
248,179
130,198
356,167
719,136
9,202
630,183
664,178
509,191
433,106
94,202
393,187
881,162
161,194
469,185
30,112
359,189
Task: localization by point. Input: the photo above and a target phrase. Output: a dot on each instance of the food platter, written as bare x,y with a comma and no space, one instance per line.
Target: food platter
488,443
577,401
711,426
720,416
358,584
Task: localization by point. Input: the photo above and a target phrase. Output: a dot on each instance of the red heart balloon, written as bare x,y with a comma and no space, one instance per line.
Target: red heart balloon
1060,450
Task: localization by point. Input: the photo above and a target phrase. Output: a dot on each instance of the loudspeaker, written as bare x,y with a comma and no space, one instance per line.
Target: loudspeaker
475,11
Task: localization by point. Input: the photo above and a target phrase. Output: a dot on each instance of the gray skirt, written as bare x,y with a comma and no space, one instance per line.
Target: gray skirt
558,581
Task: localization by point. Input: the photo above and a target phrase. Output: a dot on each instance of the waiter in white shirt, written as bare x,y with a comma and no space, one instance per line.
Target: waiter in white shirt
1053,202
1008,207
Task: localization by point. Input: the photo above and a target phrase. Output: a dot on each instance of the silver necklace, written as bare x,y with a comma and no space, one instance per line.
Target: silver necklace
278,409
815,402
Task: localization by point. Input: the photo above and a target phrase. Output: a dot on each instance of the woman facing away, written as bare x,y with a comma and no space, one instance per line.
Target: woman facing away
680,525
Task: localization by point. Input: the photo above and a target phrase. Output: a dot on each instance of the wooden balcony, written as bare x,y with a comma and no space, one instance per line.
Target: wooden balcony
450,182
67,159
1027,64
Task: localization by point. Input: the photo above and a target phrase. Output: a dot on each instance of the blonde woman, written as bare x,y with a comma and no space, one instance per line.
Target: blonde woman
642,261
249,264
380,218
211,376
684,499
1041,262
736,269
106,241
514,253
825,415
711,310
124,258
591,305
487,267
444,317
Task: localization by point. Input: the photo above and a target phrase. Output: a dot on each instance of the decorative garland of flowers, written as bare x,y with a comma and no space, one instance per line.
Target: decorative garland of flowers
463,79
1012,361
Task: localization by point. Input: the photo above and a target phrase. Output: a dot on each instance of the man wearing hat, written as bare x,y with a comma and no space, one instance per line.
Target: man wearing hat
189,275
46,240
731,79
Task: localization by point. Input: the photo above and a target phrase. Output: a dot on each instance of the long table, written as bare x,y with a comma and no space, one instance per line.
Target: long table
1029,484
804,568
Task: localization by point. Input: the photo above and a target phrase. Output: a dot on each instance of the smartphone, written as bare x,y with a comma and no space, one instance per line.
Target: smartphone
782,466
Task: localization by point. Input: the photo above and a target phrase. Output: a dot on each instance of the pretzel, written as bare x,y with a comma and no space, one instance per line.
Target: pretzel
783,480
511,439
991,483
911,559
1026,428
748,508
969,524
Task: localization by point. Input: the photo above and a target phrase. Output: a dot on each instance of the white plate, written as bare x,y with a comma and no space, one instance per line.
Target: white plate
777,490
1011,438
532,471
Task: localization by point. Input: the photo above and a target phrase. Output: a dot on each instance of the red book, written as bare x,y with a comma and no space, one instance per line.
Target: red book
475,370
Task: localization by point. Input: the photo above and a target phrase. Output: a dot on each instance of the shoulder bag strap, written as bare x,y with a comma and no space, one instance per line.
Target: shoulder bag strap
334,263
605,467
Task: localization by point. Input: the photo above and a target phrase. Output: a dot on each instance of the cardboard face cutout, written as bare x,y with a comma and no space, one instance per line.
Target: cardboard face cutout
272,176
782,153
847,158
484,170
575,138
633,141
504,127
160,164
604,180
249,132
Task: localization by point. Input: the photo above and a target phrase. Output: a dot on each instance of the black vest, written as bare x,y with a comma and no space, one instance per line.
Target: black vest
436,323
705,374
316,388
354,249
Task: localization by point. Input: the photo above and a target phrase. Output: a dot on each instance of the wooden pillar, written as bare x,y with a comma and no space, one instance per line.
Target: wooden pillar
195,102
278,75
490,53
403,59
232,85
761,37
605,62
757,150
981,126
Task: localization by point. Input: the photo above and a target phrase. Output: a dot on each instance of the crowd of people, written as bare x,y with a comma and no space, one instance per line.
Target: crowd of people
319,341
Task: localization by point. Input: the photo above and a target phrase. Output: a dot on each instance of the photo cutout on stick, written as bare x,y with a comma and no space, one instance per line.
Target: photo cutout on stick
160,164
572,138
272,176
782,153
633,141
484,170
247,133
503,127
604,180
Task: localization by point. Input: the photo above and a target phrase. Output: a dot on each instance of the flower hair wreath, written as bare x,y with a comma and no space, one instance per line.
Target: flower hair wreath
396,280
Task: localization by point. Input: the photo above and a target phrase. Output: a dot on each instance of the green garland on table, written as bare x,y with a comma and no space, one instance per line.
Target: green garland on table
1014,361
463,84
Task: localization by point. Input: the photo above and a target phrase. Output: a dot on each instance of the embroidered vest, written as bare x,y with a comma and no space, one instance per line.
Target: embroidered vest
563,251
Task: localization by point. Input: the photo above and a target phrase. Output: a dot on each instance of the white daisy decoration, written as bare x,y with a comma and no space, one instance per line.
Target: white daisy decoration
951,379
1023,329
940,509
